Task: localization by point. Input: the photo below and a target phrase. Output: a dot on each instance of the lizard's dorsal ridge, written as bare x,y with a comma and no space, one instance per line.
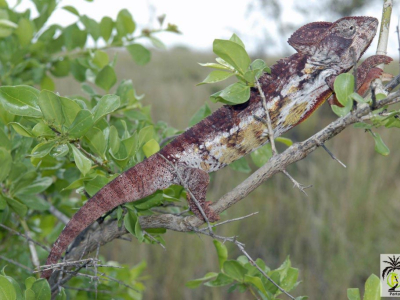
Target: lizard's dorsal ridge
307,37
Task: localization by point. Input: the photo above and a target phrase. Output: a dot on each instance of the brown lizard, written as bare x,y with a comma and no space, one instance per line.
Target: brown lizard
296,86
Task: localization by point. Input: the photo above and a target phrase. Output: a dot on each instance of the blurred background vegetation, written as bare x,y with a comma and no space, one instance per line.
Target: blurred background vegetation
334,236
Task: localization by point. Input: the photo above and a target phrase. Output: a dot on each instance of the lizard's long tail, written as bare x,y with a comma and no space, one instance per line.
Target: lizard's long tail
136,183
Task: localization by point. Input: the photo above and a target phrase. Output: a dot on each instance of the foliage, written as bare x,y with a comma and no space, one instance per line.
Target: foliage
372,290
233,60
242,276
344,90
53,145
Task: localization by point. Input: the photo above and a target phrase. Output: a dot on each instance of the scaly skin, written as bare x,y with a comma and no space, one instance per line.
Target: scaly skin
296,86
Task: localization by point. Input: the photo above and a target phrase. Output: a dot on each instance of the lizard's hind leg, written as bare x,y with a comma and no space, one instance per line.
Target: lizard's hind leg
196,182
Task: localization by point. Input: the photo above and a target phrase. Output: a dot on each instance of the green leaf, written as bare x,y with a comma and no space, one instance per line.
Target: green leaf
237,40
42,130
47,84
29,281
232,53
236,93
42,149
342,111
16,286
6,28
82,162
151,147
106,78
50,105
5,163
106,105
24,32
289,281
36,187
216,76
362,125
256,281
74,37
21,130
344,87
100,58
125,24
353,294
94,185
4,141
60,68
234,270
34,202
150,201
7,290
131,222
70,110
106,27
71,9
215,66
41,288
192,284
222,252
97,141
140,54
82,123
372,288
146,134
358,98
240,165
261,155
78,70
202,113
286,141
19,208
380,146
92,27
157,43
3,203
20,100
60,151
221,280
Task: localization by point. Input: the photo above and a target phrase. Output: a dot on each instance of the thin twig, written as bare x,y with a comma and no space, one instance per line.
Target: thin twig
167,139
93,158
269,123
154,239
189,191
32,249
58,214
233,220
16,263
271,136
332,155
25,237
300,186
87,290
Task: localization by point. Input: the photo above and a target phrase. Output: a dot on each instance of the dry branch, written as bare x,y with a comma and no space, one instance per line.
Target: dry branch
109,230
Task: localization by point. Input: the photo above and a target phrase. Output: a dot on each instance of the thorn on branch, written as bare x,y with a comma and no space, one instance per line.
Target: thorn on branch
300,186
332,155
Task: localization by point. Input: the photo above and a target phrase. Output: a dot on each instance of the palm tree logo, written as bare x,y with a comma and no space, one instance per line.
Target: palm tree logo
392,279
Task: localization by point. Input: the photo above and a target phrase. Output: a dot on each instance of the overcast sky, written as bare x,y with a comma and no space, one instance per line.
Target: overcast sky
203,21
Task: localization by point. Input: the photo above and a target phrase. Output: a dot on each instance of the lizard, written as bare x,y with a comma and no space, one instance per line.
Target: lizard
295,87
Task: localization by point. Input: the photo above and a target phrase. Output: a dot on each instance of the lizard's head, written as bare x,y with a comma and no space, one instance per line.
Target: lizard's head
336,44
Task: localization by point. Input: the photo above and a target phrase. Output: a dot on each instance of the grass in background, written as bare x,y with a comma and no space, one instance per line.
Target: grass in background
334,236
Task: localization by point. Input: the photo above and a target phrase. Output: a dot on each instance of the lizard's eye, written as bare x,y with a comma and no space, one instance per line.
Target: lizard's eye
351,27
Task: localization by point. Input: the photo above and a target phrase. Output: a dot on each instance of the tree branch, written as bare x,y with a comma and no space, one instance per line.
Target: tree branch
109,230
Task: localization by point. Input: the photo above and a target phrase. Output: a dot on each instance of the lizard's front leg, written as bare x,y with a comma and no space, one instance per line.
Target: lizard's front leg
196,182
366,73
